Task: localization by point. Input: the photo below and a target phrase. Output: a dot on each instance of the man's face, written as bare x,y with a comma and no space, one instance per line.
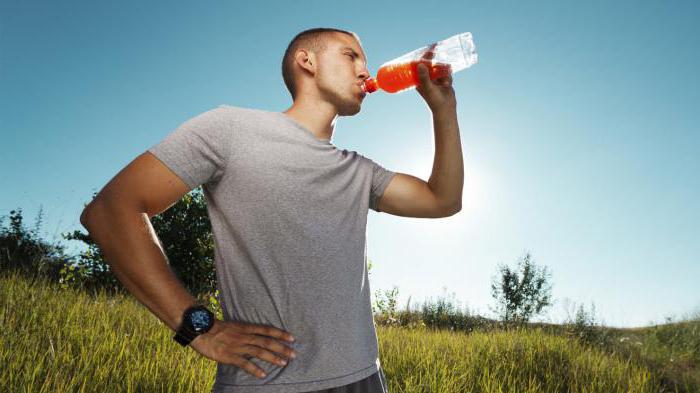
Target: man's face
341,70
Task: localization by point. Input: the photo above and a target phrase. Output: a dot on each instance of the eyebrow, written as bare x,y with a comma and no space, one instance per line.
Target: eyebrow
353,51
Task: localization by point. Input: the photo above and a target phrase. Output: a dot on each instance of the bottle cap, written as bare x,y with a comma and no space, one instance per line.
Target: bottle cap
370,85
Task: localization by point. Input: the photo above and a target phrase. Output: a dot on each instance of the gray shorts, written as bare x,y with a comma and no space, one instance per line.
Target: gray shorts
375,383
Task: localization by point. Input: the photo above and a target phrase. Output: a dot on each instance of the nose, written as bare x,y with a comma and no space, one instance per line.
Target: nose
364,74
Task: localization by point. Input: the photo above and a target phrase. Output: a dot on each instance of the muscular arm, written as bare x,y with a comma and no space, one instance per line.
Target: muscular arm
447,178
118,220
126,237
441,196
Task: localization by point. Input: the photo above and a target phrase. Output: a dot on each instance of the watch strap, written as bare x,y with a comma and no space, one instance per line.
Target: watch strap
184,335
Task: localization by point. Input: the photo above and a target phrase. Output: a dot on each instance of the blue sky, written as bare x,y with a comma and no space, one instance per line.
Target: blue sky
579,128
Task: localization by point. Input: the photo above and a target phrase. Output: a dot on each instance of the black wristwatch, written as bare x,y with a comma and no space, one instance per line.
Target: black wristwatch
196,320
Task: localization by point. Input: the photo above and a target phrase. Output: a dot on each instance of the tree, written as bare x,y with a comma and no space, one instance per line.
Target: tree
521,293
24,251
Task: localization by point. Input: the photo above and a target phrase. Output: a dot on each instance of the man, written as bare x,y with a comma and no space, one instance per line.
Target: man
288,212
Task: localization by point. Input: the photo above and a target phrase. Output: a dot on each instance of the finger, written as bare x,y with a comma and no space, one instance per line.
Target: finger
445,82
270,331
423,73
429,54
262,354
248,366
269,344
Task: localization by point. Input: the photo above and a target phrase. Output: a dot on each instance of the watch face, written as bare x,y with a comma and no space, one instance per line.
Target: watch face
200,320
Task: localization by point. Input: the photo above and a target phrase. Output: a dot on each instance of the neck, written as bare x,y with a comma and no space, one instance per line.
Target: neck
317,117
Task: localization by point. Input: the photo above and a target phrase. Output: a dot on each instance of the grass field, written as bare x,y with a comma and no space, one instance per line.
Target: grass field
64,340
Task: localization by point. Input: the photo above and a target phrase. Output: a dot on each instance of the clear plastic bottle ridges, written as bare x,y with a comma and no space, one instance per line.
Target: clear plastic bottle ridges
442,58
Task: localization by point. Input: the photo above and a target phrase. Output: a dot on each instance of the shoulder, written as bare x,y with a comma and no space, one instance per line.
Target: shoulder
243,114
239,110
353,155
365,160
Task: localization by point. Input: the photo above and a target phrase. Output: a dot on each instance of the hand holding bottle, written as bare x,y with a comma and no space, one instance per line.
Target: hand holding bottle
437,93
442,58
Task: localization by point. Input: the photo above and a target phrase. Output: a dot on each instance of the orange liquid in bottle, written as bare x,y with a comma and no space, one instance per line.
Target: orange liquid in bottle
396,77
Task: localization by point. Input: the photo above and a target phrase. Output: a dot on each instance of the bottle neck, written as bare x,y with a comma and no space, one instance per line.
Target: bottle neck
370,85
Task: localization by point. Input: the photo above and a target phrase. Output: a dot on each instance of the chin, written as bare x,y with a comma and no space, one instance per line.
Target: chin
350,109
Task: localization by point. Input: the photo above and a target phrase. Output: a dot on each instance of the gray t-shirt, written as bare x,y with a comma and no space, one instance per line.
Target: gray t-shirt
288,214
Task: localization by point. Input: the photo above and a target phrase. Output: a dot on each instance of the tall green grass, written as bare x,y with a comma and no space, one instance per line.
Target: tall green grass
63,340
519,360
58,340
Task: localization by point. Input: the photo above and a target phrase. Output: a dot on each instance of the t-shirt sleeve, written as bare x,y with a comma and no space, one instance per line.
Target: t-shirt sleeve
197,150
380,180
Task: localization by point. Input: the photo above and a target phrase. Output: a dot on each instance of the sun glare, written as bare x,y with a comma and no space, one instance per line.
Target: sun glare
420,164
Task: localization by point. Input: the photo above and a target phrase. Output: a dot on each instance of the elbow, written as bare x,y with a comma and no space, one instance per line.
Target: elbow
454,210
85,217
448,211
455,207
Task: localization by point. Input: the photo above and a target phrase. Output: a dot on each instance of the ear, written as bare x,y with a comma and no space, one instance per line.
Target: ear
306,60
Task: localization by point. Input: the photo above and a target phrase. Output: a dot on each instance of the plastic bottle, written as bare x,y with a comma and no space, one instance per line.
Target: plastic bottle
442,58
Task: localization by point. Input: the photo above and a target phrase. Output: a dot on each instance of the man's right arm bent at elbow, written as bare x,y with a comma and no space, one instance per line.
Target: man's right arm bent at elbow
118,221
